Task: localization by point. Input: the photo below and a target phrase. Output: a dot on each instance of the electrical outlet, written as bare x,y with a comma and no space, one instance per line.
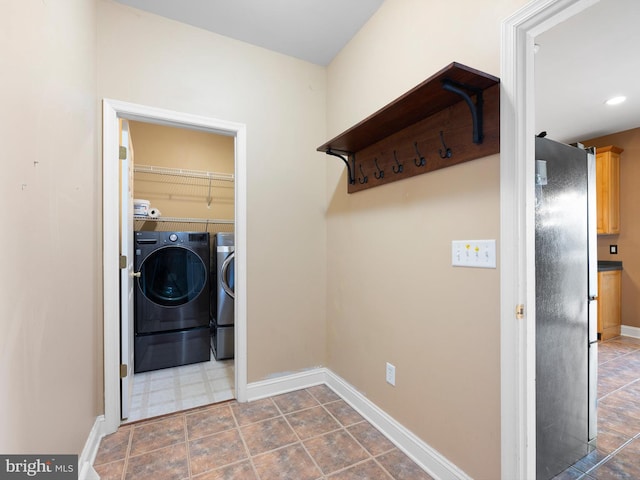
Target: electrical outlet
613,249
391,374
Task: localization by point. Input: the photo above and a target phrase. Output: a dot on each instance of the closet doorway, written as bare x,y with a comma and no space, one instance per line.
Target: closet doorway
192,192
183,184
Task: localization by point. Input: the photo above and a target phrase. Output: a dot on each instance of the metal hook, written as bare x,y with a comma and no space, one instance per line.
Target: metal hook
448,152
380,173
365,178
423,161
398,167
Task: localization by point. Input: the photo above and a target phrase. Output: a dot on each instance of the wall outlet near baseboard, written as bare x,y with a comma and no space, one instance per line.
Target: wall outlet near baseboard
391,374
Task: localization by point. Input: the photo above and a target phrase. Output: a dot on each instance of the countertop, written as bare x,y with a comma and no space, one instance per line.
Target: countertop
605,265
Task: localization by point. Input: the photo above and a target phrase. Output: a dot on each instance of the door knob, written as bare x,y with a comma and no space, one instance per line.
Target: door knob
136,274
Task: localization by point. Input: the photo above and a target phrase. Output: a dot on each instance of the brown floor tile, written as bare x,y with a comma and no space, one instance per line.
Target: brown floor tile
335,451
368,470
209,421
588,462
214,451
345,414
569,474
311,422
610,440
267,435
110,471
287,463
323,394
162,433
237,471
113,447
614,469
614,420
402,467
370,438
255,411
294,401
626,340
169,463
630,454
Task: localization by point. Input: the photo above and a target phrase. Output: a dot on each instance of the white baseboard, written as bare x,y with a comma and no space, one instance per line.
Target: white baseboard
426,457
629,331
285,384
90,450
429,459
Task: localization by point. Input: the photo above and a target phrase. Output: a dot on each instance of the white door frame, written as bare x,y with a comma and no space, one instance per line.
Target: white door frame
112,110
517,227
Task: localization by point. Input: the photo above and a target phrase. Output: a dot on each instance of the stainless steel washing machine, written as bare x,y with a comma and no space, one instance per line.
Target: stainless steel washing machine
172,300
223,296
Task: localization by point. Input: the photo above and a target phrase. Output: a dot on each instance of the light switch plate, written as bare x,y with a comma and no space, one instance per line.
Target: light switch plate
473,253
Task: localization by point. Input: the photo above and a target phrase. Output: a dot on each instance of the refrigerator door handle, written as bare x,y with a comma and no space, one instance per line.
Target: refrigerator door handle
592,326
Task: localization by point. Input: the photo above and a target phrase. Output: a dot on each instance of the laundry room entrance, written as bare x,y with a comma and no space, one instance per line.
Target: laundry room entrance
175,219
183,217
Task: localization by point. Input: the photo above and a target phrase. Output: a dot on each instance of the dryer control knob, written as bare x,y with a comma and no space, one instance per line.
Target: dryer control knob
173,237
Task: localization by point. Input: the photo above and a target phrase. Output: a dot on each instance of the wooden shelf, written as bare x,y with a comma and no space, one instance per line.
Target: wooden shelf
423,122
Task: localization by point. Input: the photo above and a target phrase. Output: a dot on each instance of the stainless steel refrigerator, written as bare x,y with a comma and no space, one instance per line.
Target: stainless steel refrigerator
566,306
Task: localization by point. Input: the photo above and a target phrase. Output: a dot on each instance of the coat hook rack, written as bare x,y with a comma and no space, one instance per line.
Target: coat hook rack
420,161
379,174
364,179
431,118
447,150
398,167
352,179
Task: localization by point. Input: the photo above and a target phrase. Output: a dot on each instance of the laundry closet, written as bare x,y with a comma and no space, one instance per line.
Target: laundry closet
183,242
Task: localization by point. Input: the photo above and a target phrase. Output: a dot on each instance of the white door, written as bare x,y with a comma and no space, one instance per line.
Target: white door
126,272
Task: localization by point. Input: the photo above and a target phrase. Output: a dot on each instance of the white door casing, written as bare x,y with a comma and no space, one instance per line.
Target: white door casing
112,110
126,274
517,227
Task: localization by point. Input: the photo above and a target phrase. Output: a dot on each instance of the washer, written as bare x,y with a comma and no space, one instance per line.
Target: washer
223,296
171,299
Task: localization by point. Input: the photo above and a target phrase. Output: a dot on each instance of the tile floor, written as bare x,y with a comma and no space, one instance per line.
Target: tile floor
618,445
308,434
174,389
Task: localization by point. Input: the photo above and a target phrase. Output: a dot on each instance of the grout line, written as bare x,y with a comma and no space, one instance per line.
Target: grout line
186,443
246,447
126,456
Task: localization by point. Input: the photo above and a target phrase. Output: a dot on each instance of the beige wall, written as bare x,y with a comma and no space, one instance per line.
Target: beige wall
176,196
392,293
153,61
628,240
50,290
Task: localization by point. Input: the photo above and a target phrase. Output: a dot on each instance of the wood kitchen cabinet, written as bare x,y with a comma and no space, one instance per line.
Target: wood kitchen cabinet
609,300
608,189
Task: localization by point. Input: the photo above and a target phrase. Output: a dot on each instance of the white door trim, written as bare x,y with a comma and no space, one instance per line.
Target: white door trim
517,238
112,110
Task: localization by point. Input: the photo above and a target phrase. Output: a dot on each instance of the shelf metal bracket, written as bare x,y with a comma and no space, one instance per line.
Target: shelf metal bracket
475,108
352,178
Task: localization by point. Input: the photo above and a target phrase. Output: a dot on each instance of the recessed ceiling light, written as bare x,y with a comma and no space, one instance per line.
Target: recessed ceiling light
616,100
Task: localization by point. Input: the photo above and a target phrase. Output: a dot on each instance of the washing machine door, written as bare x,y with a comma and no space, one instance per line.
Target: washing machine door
172,277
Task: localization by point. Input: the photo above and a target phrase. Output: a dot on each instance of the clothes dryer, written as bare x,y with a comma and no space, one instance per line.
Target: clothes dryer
223,296
171,299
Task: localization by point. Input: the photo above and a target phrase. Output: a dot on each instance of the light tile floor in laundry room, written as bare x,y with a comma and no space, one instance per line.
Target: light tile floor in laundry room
309,434
174,389
617,456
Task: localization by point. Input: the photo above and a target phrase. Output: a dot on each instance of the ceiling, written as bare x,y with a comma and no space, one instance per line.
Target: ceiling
311,30
581,63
